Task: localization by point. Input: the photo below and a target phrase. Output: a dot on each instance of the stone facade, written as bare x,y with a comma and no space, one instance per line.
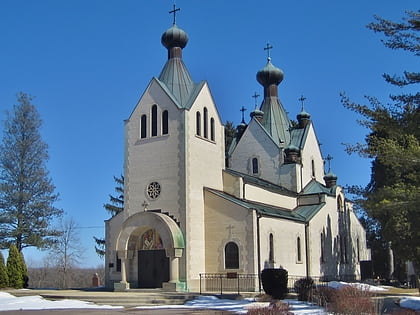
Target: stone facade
186,214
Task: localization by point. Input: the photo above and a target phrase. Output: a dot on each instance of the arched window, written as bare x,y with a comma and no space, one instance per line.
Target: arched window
154,121
322,248
358,249
165,122
212,129
231,256
143,126
205,124
313,168
255,166
198,124
271,252
299,250
339,203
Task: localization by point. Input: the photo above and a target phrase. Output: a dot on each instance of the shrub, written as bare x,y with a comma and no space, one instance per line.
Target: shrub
304,288
274,282
323,295
273,309
14,268
4,279
352,301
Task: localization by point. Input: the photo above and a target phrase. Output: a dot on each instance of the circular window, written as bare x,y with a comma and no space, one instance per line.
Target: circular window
153,190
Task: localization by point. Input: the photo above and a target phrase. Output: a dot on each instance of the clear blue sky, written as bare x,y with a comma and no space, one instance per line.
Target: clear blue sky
87,62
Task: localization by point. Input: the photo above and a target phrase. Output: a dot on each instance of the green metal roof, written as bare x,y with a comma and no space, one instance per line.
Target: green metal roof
275,120
249,179
314,187
299,214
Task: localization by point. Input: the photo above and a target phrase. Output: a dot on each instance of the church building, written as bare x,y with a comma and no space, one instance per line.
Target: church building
190,209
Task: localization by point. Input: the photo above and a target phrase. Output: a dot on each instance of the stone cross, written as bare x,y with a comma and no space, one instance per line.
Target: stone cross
145,204
230,227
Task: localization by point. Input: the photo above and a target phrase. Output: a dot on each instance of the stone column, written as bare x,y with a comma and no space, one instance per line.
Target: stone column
174,270
123,284
173,285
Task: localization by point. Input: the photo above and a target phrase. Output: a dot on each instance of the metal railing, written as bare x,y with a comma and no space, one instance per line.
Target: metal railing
228,282
237,282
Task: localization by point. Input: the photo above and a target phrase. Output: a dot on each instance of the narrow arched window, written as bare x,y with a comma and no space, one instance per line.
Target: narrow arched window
271,252
313,168
358,250
205,123
165,129
299,250
198,124
339,203
212,129
231,256
154,121
255,166
143,126
322,248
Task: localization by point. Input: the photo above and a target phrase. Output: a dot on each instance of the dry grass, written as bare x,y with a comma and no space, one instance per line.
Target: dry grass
274,308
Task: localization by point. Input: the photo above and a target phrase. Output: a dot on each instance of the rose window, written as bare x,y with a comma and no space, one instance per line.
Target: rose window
153,190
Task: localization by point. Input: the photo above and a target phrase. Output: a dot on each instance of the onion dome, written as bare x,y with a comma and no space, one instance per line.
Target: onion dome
174,37
330,179
258,114
292,154
303,118
269,75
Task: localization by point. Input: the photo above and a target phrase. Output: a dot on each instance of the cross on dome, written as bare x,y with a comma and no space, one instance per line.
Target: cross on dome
255,96
243,109
302,99
268,47
174,12
329,158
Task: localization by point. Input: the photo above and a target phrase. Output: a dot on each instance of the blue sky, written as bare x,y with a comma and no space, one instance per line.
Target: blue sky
87,62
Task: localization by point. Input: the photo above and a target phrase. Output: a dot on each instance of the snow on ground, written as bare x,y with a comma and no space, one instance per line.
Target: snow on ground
9,302
360,286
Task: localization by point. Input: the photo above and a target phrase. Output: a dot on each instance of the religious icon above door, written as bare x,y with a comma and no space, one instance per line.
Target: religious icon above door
151,240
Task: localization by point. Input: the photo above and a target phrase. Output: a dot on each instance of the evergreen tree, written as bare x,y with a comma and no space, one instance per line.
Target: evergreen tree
26,191
392,198
15,268
115,206
4,278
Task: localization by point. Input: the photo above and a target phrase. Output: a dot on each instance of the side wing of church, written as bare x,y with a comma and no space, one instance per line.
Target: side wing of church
187,214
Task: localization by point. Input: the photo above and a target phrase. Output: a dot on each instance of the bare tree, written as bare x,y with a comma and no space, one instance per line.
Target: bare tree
67,251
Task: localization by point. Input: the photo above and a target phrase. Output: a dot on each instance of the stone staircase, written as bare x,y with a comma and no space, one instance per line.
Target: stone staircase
128,299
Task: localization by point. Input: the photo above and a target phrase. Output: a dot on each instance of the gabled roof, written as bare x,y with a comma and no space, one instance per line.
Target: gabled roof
315,187
299,214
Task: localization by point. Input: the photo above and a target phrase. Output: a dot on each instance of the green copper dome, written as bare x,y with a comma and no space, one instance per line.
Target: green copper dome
269,75
174,37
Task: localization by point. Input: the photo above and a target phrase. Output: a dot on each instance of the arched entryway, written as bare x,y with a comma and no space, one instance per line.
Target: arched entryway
152,243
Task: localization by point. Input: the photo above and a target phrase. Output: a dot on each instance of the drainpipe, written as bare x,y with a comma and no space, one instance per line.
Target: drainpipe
258,249
308,268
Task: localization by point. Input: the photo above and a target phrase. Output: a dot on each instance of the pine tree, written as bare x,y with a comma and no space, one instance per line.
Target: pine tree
392,198
4,278
115,206
15,268
26,191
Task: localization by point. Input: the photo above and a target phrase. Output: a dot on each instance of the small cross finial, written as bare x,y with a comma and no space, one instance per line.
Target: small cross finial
329,158
268,47
302,99
255,96
243,109
145,204
174,12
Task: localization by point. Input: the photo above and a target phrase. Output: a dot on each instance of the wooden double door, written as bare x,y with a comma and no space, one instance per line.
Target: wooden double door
153,268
